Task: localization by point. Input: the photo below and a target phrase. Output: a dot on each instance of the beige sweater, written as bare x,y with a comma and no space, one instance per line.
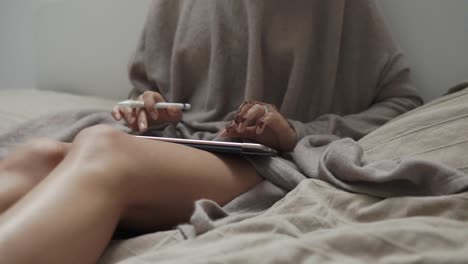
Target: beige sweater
331,67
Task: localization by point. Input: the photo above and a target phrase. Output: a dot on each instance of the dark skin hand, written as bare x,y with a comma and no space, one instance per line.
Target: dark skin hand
262,123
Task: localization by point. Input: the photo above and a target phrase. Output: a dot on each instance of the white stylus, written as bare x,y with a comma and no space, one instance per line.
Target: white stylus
140,104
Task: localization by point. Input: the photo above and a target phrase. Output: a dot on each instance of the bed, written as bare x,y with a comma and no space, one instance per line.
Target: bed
317,222
19,105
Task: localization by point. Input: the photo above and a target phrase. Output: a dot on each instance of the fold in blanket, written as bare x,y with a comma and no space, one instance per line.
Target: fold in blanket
330,67
318,223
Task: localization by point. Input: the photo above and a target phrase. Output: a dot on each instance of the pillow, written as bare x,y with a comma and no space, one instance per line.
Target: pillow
437,131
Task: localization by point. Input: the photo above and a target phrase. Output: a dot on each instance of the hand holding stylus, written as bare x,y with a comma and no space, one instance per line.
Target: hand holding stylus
149,109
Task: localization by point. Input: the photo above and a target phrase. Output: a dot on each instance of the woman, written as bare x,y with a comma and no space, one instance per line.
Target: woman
328,67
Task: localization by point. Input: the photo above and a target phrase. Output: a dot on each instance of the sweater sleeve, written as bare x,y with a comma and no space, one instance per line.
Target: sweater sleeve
395,96
137,70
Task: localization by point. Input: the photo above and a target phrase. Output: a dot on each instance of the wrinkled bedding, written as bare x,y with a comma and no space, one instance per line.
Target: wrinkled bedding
19,105
331,200
318,223
324,218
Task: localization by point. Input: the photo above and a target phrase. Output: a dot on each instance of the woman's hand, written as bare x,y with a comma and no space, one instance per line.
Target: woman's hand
262,123
139,119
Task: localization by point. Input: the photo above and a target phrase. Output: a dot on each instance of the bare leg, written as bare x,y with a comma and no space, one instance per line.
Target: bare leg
26,167
106,177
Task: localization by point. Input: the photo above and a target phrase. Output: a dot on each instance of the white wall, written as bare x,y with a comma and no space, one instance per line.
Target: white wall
434,36
81,46
17,42
84,46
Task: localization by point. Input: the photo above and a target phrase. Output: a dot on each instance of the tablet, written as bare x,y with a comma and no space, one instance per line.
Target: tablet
220,146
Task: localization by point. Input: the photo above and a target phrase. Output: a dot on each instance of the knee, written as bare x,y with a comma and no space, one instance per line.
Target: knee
100,144
53,151
100,151
96,138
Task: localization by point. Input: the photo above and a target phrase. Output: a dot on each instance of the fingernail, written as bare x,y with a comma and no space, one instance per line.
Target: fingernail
237,119
142,125
116,116
174,111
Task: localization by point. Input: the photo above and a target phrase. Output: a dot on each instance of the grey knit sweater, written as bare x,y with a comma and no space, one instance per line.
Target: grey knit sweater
331,67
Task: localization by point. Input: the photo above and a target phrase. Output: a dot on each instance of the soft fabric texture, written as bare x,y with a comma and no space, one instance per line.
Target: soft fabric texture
20,105
433,132
332,69
318,223
28,113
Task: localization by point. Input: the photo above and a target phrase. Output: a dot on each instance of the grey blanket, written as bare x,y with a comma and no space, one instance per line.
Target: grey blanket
329,66
318,223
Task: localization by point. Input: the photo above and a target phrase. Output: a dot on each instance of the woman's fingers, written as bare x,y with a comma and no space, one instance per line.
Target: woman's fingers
128,114
243,109
249,133
251,117
116,113
131,114
253,125
174,113
264,124
266,121
150,99
119,113
142,120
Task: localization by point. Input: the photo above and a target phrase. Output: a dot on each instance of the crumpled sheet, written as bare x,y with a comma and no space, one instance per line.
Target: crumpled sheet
315,221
